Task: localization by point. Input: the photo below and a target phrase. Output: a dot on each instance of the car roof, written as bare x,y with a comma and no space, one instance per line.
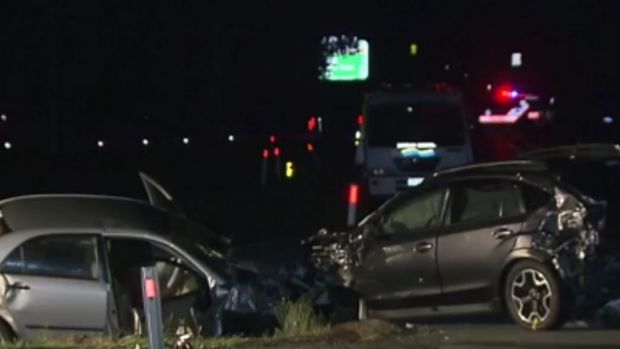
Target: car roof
78,211
576,152
533,172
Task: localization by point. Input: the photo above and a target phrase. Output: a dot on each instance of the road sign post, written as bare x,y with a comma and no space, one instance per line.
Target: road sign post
152,307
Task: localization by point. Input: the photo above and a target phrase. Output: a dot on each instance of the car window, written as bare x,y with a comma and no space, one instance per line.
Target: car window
479,201
417,213
534,198
64,256
127,256
175,280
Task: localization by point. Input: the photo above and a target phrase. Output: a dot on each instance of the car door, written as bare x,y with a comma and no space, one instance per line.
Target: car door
181,286
55,286
484,216
398,264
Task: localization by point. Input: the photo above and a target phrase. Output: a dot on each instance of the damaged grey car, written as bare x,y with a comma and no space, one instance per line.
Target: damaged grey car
70,265
483,238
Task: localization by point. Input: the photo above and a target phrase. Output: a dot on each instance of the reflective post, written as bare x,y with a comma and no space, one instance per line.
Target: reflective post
152,307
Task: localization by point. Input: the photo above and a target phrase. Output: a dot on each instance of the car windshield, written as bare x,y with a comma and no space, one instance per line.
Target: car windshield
438,122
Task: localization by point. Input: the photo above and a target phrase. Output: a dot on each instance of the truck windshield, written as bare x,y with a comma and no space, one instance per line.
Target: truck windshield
390,123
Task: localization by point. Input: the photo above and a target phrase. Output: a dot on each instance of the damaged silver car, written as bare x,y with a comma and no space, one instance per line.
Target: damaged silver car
70,264
476,239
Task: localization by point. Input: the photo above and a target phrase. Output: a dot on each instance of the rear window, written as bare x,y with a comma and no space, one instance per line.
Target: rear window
438,122
481,201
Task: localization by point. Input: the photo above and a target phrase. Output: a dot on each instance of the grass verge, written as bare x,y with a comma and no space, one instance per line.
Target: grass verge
298,321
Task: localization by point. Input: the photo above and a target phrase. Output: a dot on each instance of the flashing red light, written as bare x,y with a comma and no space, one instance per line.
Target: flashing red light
276,151
312,123
360,120
150,288
353,194
272,139
506,94
310,147
265,154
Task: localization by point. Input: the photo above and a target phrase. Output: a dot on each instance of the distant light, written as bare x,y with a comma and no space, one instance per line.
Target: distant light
145,142
360,120
231,138
100,144
8,145
552,101
516,59
506,94
272,139
353,194
185,140
3,117
265,154
276,151
446,67
312,123
466,76
310,147
409,109
533,115
608,120
320,124
290,170
413,49
358,135
489,87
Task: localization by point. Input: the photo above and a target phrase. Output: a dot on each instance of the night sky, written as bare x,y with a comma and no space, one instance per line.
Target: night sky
83,70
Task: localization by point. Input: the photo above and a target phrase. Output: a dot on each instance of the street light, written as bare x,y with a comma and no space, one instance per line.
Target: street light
7,145
231,138
3,117
100,144
145,142
185,140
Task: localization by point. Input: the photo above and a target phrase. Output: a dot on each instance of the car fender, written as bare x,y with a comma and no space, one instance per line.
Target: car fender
520,252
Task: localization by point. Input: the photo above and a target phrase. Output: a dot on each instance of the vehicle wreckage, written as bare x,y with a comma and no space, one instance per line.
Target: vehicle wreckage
70,265
553,225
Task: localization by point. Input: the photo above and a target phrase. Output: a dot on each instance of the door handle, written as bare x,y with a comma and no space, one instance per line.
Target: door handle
423,247
502,233
18,286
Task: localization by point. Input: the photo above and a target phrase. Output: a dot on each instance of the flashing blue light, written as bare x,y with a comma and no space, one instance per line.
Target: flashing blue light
608,120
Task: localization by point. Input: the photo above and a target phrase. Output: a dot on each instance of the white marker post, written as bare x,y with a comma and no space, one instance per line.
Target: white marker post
152,307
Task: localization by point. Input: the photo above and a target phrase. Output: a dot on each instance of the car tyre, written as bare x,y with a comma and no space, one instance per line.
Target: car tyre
535,297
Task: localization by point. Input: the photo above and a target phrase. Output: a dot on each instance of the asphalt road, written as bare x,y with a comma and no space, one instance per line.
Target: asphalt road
490,336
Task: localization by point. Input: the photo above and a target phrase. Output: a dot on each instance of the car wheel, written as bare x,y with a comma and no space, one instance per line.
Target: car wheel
534,296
